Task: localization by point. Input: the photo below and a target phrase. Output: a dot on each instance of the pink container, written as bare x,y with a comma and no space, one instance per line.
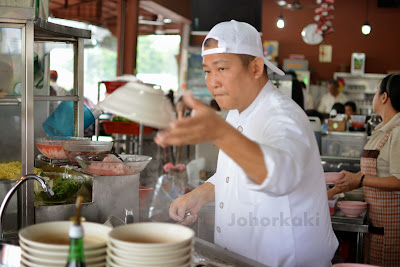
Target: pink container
355,204
331,177
352,211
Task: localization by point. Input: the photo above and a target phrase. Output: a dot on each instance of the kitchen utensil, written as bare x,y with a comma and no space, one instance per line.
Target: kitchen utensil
109,165
83,147
51,147
140,103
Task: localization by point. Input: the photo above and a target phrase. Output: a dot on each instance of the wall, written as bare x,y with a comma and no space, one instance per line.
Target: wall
381,45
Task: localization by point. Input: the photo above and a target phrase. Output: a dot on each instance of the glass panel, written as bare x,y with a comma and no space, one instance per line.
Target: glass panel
11,69
53,68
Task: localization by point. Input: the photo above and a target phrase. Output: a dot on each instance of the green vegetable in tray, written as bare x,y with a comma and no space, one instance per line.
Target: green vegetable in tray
119,118
63,188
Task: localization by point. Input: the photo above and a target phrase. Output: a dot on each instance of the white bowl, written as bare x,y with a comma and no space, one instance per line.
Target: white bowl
28,263
140,255
60,261
140,103
41,253
53,236
151,236
151,260
112,263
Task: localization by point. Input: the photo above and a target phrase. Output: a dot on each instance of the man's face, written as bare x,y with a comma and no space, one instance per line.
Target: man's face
227,80
332,89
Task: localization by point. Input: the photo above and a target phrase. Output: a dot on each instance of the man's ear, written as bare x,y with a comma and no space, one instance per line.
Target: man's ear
385,98
257,67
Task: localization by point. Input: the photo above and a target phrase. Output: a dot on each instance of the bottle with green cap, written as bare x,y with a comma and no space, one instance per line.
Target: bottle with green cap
76,257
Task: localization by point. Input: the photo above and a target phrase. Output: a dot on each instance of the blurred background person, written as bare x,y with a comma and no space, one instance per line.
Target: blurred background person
55,89
297,89
350,108
332,97
339,107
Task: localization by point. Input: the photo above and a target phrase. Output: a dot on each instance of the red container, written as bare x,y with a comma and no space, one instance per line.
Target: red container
113,85
120,127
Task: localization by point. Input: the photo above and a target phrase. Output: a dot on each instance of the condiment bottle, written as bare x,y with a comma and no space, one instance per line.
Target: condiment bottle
76,257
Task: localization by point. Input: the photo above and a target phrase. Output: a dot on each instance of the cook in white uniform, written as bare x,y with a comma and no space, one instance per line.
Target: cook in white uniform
269,188
332,97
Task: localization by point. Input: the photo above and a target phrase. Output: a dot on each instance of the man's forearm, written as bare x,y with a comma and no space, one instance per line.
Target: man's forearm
205,192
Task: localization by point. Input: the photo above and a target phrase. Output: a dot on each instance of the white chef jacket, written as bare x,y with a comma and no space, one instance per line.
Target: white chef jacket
328,100
284,221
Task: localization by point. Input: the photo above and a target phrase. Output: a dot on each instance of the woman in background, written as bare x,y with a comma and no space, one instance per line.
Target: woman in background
380,176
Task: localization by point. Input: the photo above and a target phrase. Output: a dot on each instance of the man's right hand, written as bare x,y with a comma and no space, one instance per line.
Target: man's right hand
191,202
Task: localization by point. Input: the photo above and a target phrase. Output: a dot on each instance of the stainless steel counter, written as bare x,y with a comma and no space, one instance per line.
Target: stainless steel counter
357,225
209,253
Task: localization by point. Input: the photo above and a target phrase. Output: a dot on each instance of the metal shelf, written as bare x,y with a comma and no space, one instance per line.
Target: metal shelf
44,30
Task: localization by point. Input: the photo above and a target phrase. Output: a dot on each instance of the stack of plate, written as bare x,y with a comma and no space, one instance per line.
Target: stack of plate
150,244
47,244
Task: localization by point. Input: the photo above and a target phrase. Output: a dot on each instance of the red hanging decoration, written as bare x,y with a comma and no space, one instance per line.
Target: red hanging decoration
323,17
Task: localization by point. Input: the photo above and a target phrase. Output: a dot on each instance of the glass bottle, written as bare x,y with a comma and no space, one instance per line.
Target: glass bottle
76,257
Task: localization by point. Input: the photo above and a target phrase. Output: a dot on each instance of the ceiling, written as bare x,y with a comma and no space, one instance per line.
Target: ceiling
153,18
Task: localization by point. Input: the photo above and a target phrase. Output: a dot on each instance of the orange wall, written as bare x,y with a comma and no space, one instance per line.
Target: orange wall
381,46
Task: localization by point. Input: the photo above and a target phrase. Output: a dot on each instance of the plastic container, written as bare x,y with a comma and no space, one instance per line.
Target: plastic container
343,144
113,85
358,121
120,127
61,120
332,204
110,165
51,147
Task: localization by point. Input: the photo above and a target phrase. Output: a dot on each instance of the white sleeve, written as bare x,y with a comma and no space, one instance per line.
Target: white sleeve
285,150
212,179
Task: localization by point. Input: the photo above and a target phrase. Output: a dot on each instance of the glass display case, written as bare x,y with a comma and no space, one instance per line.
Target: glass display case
26,98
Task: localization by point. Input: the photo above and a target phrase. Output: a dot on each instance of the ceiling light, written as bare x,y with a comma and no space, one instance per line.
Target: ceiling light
280,23
366,28
167,20
281,3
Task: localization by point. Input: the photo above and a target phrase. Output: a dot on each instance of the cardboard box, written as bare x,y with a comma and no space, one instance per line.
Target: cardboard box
336,126
289,64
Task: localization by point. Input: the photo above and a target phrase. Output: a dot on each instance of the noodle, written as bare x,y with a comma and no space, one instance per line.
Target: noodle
12,170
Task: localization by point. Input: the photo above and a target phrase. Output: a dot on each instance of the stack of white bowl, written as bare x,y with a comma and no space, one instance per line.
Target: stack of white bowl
47,244
150,244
